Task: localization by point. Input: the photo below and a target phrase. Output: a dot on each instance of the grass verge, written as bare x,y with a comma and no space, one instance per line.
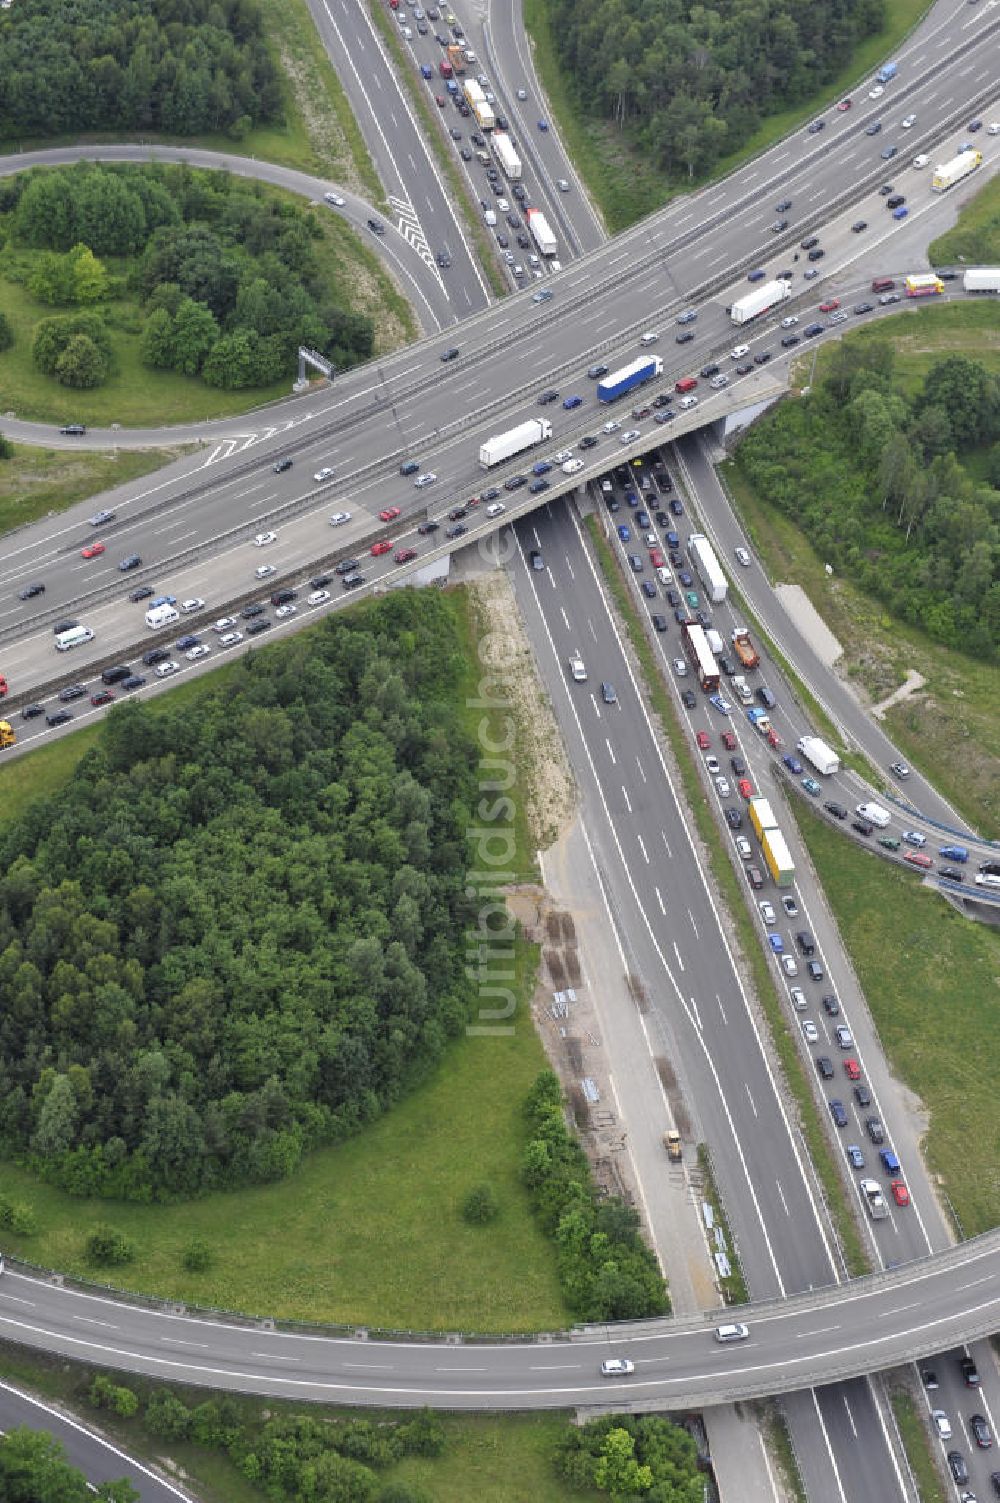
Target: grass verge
778,1444
434,136
730,891
976,236
951,971
35,482
955,709
733,1286
618,174
917,1445
503,1458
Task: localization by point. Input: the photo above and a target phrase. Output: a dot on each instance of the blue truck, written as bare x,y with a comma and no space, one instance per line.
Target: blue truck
629,377
887,71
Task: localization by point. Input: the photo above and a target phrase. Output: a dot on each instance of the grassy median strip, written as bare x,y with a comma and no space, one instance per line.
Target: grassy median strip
729,889
779,1447
917,1445
433,134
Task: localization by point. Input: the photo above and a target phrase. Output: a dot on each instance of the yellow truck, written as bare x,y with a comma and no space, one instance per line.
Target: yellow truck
672,1143
7,737
761,816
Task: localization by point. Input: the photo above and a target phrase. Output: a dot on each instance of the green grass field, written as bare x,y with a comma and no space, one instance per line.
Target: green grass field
975,239
932,990
35,482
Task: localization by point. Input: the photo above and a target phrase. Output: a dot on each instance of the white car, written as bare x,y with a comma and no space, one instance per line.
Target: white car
910,120
629,436
743,848
571,466
790,906
577,668
617,1367
798,997
427,479
194,653
611,426
789,322
942,1424
993,129
809,1031
877,92
742,557
230,639
265,571
339,518
789,965
164,670
263,538
680,667
318,597
722,784
562,185
335,199
738,351
503,206
562,456
224,623
284,611
324,474
194,604
711,762
766,911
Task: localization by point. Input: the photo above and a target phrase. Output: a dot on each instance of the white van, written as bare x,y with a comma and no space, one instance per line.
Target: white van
715,642
650,337
664,576
920,161
162,615
490,218
874,814
75,637
686,403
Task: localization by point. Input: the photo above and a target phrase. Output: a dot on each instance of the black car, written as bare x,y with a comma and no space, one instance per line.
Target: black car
662,399
457,531
30,711
739,767
131,561
547,397
72,691
811,330
744,368
660,622
256,627
728,667
958,1467
588,441
323,579
862,1095
134,681
376,227
783,207
515,482
864,307
649,589
824,1065
734,819
969,1371
595,372
353,581
59,717
831,1005
981,1432
859,225
709,370
837,810
492,494
451,354
886,189
284,595
65,625
155,655
142,593
688,698
684,337
950,874
347,566
762,357
426,528
457,514
895,201
537,562
249,611
817,254
116,674
30,591
789,340
809,242
537,486
188,640
75,430
410,467
875,1130
282,465
862,826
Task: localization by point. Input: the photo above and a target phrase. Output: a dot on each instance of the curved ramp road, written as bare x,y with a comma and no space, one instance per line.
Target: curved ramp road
840,1332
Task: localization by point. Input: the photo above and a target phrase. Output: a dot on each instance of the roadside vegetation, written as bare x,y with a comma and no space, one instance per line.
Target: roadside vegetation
641,122
921,1454
975,238
35,482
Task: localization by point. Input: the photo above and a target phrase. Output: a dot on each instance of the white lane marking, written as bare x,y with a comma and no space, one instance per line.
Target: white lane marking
678,954
562,610
92,1320
659,899
829,1447
694,926
850,1417
722,1010
179,1341
641,773
274,1357
753,1104
642,848
611,752
625,796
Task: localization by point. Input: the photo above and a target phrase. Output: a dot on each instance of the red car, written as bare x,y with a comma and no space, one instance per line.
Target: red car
845,104
472,501
900,1193
830,306
440,101
92,550
390,514
746,788
104,697
704,740
656,558
405,554
729,740
773,739
852,1069
917,858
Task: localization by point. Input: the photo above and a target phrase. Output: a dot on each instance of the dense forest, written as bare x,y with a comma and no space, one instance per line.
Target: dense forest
689,83
237,932
225,274
182,67
873,475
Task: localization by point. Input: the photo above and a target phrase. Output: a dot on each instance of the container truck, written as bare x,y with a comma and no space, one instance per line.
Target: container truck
887,71
759,300
508,158
541,232
7,736
456,56
483,112
873,1198
744,648
761,816
706,566
629,377
982,279
950,173
505,445
818,755
778,857
473,92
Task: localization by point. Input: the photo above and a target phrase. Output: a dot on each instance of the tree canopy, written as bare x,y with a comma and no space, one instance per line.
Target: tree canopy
237,932
183,67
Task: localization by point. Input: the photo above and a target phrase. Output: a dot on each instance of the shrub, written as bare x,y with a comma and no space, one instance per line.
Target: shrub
108,1248
480,1206
198,1256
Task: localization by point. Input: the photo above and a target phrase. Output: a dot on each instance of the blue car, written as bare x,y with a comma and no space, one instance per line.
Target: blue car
649,589
685,579
642,518
777,943
541,468
838,1113
624,533
163,600
855,1157
756,276
722,705
543,125
954,853
426,71
793,764
570,402
811,786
